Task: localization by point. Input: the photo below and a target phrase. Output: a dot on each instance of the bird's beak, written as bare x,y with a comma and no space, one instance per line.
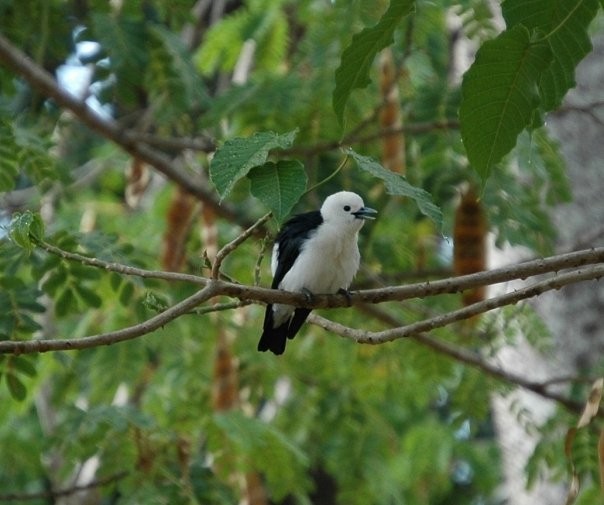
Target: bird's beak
365,213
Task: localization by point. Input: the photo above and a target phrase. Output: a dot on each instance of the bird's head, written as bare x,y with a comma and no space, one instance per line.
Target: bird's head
346,209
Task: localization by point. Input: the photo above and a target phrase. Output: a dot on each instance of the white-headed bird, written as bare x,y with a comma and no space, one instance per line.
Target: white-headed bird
314,253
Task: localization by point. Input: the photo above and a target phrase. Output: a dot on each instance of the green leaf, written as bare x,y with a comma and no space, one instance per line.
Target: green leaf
57,278
22,365
16,387
65,302
126,293
239,155
266,449
500,96
565,25
25,226
88,296
125,39
396,184
358,57
174,84
115,280
278,185
9,164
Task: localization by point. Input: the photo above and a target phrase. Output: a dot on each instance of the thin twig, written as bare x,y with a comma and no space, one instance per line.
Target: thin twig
233,244
449,285
120,268
63,492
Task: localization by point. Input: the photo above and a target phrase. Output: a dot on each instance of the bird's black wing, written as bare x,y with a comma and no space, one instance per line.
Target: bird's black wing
290,239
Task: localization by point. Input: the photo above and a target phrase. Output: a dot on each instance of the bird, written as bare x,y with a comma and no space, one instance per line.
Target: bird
315,252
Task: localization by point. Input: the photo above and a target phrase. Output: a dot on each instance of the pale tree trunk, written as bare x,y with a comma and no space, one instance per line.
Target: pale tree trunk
573,314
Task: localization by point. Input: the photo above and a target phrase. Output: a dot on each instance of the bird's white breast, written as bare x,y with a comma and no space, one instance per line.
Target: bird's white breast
328,261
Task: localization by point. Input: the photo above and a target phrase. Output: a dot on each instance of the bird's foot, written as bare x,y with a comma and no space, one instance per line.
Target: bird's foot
310,297
347,294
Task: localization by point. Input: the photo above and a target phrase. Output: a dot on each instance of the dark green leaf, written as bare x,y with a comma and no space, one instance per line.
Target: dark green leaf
500,95
88,296
16,387
396,184
126,294
115,280
56,279
125,39
565,25
9,164
65,302
278,185
22,365
239,155
358,57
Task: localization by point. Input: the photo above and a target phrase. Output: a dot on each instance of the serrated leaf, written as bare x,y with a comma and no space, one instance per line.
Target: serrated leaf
16,387
358,57
396,184
565,27
239,155
500,95
278,185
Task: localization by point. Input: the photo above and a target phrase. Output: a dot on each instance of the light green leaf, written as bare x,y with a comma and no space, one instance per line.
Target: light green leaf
357,58
500,95
278,185
239,155
396,184
565,27
24,227
265,448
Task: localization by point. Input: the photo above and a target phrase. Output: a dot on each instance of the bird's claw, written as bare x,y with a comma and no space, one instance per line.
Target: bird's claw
347,294
310,298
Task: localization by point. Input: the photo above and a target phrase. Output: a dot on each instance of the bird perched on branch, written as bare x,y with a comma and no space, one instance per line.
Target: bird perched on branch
314,253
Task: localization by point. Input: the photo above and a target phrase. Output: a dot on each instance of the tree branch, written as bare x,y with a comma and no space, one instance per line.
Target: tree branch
215,288
395,293
469,358
113,337
538,288
231,246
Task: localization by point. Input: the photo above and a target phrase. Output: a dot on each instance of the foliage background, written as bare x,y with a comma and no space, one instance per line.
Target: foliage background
192,413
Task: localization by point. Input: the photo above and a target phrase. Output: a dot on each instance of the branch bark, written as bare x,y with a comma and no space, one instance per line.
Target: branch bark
215,287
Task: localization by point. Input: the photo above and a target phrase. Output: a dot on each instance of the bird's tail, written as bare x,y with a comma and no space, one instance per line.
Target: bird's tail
274,339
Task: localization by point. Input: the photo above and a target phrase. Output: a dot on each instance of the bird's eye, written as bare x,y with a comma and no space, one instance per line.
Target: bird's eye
346,208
